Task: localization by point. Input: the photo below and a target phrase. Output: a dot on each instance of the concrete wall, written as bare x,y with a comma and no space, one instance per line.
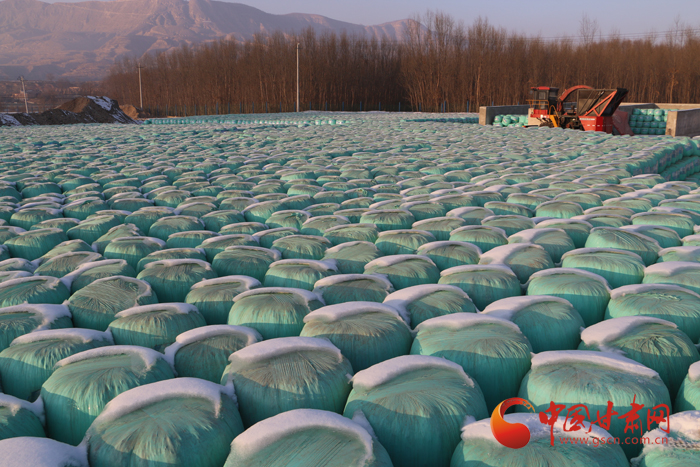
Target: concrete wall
487,114
683,123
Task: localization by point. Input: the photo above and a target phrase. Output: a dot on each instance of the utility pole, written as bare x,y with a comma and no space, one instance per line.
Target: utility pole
140,89
24,91
297,77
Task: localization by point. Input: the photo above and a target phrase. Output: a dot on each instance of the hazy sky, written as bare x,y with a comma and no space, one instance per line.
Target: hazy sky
545,17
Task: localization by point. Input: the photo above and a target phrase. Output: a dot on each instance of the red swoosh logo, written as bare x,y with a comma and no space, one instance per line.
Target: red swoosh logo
511,435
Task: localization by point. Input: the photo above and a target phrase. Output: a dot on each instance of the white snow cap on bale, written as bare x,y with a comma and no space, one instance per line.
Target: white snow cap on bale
182,308
612,329
15,404
477,267
641,288
404,297
580,251
276,254
457,321
205,332
50,281
249,282
41,452
444,243
142,396
337,312
70,277
605,359
49,313
528,235
506,308
266,432
671,267
228,237
84,335
283,345
387,261
169,263
694,372
340,278
321,265
149,356
548,222
685,424
305,294
387,370
573,271
145,240
501,254
103,101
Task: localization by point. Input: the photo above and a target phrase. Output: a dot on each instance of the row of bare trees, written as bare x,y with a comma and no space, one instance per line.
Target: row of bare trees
439,65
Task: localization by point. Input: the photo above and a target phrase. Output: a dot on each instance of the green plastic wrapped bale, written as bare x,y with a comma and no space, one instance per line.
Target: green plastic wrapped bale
93,228
60,265
455,201
681,253
171,198
653,342
260,212
472,215
172,279
664,301
8,232
20,418
589,293
527,199
323,209
130,204
448,254
250,261
549,323
238,203
309,437
66,247
302,246
215,221
82,385
29,217
247,228
298,202
17,264
171,253
352,257
84,207
266,238
402,242
555,242
416,405
423,302
510,224
133,249
405,270
189,239
585,200
320,224
203,352
214,297
635,204
35,243
181,421
30,359
484,237
571,377
90,272
352,233
195,209
353,215
524,259
166,226
41,452
688,397
299,273
291,218
501,208
274,311
682,224
559,209
343,288
423,210
144,218
608,237
9,275
578,230
683,273
267,373
62,223
582,448
483,283
605,220
366,333
96,305
389,219
440,227
36,289
618,267
677,448
18,320
154,326
491,350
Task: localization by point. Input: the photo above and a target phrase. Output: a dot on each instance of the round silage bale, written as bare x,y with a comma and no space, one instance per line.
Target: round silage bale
299,273
683,273
682,224
343,288
173,279
483,283
171,253
422,302
88,273
524,259
36,289
266,238
666,237
302,247
19,418
388,219
448,254
189,238
402,242
41,452
133,249
64,264
93,228
608,237
214,297
675,444
163,227
556,242
35,243
18,320
405,270
618,267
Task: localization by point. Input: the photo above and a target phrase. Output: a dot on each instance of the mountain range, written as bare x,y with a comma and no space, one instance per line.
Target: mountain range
82,40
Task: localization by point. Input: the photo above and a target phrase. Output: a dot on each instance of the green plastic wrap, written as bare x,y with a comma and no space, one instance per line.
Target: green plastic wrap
93,228
405,270
351,233
95,270
35,290
608,237
165,226
682,273
302,246
422,302
189,239
63,264
682,224
248,228
35,243
618,267
267,237
144,218
388,219
214,297
402,242
171,253
298,273
677,448
66,247
483,283
290,218
524,259
172,279
484,237
510,224
132,249
343,288
319,224
29,217
20,418
555,241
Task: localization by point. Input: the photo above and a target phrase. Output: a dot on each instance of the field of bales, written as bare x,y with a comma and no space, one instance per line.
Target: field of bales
347,290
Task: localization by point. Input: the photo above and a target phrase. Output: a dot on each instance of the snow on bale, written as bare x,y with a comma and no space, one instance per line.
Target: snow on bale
214,297
318,225
491,350
416,405
666,237
309,437
30,359
352,257
7,232
95,305
402,242
388,219
510,224
449,253
203,352
663,301
27,218
683,273
653,342
248,228
571,377
82,385
61,265
471,215
688,397
422,302
189,239
182,421
172,279
678,443
93,228
121,231
343,288
290,218
608,237
215,221
600,219
260,212
62,223
154,326
366,333
41,452
66,247
265,374
273,311
171,253
556,242
549,323
299,273
302,246
524,259
585,447
618,267
352,232
559,209
405,270
681,253
484,237
18,320
163,227
18,264
34,289
483,283
20,418
501,208
35,243
144,218
132,249
682,224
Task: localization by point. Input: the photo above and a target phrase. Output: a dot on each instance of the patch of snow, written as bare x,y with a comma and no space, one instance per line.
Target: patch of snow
319,265
305,294
507,308
387,370
611,329
205,332
388,261
41,452
605,359
457,321
477,267
180,308
148,356
84,335
273,348
49,313
337,312
248,282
